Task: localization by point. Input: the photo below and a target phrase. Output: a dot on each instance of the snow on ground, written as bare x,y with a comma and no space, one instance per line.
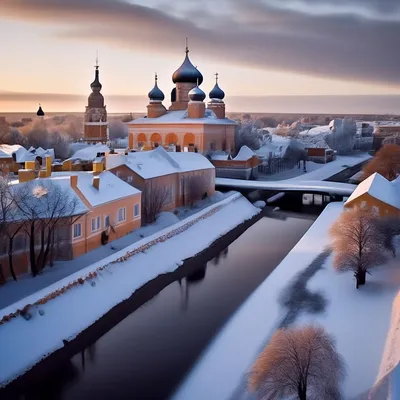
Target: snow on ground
317,171
65,316
26,285
334,167
334,188
358,319
318,130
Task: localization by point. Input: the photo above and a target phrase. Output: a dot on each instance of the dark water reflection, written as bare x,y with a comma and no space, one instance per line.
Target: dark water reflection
147,354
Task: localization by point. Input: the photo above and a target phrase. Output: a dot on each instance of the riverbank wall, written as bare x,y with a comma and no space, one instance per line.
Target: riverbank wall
231,218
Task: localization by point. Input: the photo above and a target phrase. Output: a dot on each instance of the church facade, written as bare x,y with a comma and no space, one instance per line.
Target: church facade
188,124
95,120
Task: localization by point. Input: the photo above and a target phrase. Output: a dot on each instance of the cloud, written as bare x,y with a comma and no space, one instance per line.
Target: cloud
255,33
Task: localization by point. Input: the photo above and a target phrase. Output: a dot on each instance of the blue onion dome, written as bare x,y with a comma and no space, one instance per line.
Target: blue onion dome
196,94
173,95
40,112
96,85
156,94
187,72
216,92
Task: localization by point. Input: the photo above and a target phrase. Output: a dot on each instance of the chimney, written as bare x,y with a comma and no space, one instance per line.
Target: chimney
67,165
30,165
26,175
96,182
48,166
74,181
98,167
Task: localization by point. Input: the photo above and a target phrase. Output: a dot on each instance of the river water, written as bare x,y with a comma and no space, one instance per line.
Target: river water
148,353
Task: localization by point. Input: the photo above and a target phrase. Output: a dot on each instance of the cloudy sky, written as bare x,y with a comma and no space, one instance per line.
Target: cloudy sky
259,48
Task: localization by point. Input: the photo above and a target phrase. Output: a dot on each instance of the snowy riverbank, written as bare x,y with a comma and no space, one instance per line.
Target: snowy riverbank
107,283
358,319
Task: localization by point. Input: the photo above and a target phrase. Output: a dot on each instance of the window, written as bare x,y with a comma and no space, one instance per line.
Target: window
77,230
19,242
129,179
136,210
106,221
121,214
170,195
96,223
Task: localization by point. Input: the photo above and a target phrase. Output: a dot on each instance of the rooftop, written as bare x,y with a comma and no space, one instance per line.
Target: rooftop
380,188
181,117
111,187
158,162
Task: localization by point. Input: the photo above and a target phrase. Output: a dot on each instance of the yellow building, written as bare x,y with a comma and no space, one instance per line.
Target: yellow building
377,193
188,124
105,208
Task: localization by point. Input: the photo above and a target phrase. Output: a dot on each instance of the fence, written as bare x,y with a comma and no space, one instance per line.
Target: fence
275,166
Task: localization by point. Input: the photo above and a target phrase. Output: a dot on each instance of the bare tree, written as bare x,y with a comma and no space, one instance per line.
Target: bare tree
44,207
390,227
298,362
154,201
11,222
358,243
386,162
248,134
196,189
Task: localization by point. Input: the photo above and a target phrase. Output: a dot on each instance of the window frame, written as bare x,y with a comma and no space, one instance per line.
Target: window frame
124,214
97,223
80,230
136,215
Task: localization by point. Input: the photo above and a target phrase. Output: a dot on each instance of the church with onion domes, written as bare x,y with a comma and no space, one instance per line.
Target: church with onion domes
189,124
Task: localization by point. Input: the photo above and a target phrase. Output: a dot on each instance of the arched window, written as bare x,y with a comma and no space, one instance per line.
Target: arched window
155,140
188,139
171,138
141,139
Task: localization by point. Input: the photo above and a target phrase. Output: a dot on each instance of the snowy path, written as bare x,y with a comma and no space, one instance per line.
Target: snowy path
358,319
77,301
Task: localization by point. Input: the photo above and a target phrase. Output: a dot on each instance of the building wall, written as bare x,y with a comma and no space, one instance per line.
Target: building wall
90,240
221,136
66,246
177,184
370,202
95,132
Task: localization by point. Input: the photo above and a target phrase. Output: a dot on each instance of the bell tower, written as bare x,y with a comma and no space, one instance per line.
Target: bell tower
96,125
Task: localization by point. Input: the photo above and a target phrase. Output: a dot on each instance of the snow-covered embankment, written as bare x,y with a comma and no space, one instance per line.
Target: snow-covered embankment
76,302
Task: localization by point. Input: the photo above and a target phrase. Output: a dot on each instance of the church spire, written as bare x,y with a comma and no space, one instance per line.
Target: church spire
96,85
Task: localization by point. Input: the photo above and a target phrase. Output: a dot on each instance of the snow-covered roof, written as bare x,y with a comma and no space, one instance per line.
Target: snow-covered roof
22,155
42,186
3,154
111,187
181,117
378,187
245,153
158,162
318,130
89,153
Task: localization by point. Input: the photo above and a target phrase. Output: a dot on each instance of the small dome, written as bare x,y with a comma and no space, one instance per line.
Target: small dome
216,92
40,112
196,94
156,94
187,72
96,83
